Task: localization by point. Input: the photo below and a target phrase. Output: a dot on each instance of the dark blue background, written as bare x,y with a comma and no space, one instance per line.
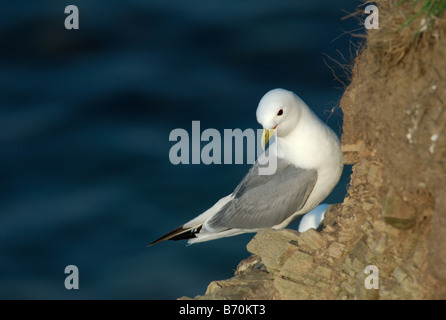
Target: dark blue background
85,117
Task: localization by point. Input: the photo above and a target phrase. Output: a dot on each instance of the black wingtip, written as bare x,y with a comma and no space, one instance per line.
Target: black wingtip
179,233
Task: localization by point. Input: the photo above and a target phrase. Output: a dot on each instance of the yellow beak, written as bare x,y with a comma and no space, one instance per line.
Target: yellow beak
266,136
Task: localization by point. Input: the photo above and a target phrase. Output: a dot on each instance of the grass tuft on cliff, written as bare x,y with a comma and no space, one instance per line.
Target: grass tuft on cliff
431,9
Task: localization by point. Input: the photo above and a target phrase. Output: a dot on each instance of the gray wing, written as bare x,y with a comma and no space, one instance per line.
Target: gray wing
262,201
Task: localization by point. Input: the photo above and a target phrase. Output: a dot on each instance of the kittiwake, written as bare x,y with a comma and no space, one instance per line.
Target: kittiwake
313,219
309,165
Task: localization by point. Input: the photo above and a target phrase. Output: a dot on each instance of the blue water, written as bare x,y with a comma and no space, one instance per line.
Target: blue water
85,117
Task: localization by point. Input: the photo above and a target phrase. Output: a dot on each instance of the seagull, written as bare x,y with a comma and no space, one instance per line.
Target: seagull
309,165
313,219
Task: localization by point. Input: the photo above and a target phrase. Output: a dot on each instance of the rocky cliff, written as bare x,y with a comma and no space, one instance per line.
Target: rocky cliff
387,240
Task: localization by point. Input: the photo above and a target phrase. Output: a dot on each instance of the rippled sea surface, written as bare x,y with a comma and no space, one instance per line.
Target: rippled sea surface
85,117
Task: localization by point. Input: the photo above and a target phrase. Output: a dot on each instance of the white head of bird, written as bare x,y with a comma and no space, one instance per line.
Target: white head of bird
278,111
298,129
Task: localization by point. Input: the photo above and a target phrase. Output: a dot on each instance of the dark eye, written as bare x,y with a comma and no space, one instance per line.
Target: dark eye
280,112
